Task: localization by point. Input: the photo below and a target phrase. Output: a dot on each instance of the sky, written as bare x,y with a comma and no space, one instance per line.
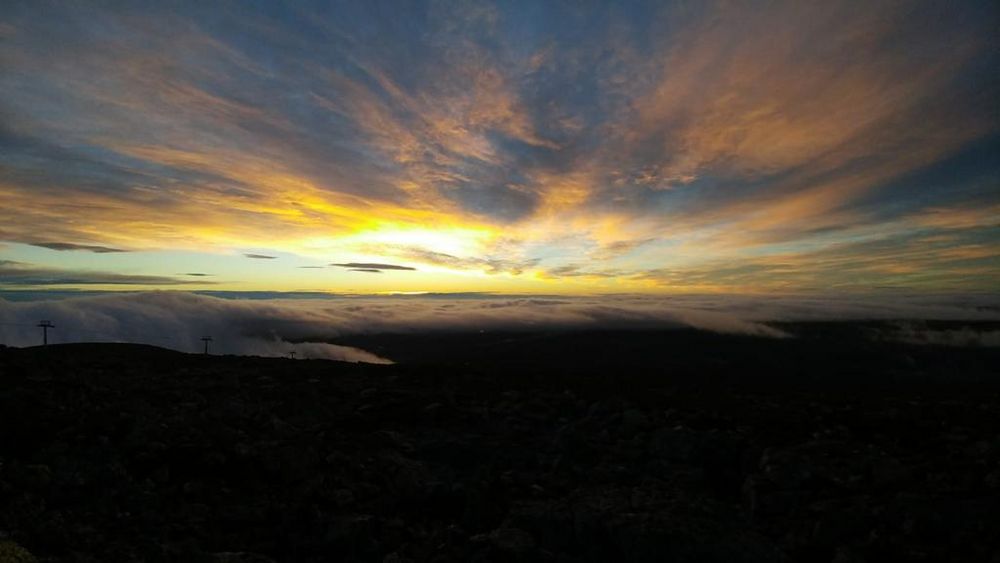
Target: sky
514,147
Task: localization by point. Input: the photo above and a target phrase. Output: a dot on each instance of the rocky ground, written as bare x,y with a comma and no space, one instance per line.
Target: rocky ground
122,453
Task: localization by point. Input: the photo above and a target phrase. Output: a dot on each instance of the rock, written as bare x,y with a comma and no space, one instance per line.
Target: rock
36,477
888,471
392,440
161,475
992,480
676,444
633,420
568,439
10,552
512,396
513,540
845,554
343,497
240,557
761,499
598,409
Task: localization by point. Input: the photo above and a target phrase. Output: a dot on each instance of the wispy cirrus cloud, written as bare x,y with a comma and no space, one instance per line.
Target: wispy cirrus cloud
489,265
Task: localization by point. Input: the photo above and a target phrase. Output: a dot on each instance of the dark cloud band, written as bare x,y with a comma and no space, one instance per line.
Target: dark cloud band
371,266
73,246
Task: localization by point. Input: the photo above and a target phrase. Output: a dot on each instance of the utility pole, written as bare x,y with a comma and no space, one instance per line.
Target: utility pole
206,340
291,354
45,326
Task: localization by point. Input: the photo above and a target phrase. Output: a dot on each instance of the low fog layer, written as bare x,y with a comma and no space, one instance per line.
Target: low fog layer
276,327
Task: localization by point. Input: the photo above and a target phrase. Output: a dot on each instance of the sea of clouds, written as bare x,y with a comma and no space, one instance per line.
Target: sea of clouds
278,325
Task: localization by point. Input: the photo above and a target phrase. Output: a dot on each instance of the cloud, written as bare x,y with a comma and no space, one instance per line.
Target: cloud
275,326
19,274
178,321
488,265
74,246
260,256
684,147
582,271
919,333
368,270
196,274
368,266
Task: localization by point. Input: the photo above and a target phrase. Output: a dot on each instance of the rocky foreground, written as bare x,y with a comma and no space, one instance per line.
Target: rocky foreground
122,453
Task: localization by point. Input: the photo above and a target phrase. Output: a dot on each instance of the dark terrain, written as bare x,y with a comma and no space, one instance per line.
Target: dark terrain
678,445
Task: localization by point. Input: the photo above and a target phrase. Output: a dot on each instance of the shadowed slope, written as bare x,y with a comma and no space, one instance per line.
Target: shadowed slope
118,452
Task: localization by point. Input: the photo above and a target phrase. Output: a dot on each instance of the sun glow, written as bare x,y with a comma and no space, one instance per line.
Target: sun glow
454,241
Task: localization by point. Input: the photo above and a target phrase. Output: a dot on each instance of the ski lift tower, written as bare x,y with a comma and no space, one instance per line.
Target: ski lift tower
45,326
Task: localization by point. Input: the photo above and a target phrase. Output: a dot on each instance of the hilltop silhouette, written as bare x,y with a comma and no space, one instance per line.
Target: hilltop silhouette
636,446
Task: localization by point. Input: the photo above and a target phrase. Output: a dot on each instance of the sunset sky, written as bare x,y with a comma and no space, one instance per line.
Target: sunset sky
557,147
